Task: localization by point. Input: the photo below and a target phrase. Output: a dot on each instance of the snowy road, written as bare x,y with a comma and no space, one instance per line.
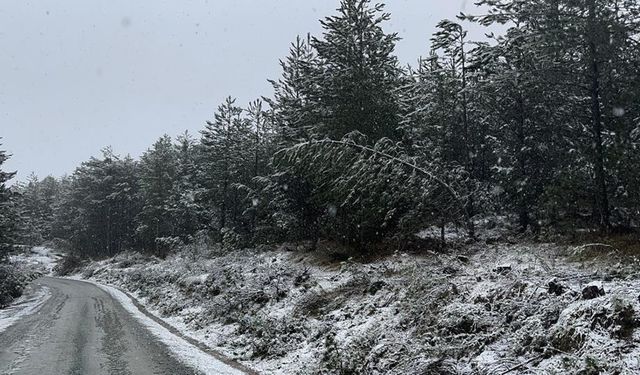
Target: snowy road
85,329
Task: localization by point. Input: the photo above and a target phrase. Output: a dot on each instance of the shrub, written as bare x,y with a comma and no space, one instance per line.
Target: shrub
351,356
272,337
67,265
11,284
165,245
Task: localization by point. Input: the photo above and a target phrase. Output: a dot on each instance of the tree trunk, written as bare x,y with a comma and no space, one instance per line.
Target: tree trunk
523,198
596,124
223,206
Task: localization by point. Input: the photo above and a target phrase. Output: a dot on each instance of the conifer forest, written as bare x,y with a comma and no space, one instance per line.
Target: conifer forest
474,212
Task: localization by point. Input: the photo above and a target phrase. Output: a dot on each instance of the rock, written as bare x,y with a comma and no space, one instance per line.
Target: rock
624,322
449,270
502,269
376,286
555,288
463,258
592,291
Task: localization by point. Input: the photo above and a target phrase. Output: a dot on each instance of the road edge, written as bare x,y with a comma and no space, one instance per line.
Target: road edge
173,330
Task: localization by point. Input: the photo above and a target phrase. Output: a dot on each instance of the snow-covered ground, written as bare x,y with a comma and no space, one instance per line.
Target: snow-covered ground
30,264
37,259
487,309
28,304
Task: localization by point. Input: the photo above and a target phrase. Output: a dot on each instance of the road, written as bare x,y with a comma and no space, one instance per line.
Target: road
81,329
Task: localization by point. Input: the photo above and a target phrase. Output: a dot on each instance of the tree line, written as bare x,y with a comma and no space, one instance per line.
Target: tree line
539,123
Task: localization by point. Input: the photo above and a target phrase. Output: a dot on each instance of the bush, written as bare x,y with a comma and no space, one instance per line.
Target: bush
68,265
11,284
231,240
272,337
351,356
166,245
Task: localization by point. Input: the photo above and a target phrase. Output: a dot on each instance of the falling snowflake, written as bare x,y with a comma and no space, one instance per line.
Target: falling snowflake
618,111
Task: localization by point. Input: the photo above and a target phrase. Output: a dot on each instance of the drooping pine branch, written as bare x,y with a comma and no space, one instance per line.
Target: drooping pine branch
431,175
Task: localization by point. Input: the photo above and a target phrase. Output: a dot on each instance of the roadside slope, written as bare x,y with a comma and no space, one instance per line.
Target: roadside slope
485,310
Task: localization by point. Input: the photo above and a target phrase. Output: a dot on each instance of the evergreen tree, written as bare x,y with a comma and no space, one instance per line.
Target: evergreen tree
183,206
262,137
292,112
465,132
451,38
7,213
519,107
228,161
586,48
362,195
36,201
428,123
157,170
101,206
264,146
356,80
285,197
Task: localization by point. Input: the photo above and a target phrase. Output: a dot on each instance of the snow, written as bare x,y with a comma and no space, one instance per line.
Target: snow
186,352
31,264
450,233
481,311
26,305
38,258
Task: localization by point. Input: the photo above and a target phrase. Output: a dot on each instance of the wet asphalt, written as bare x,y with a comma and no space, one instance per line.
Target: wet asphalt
82,330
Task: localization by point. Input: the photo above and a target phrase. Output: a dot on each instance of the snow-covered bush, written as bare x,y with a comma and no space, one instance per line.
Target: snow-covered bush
272,337
350,357
166,245
609,316
231,240
69,264
12,284
307,313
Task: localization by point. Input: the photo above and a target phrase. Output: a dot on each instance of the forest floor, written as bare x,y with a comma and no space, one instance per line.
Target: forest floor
498,306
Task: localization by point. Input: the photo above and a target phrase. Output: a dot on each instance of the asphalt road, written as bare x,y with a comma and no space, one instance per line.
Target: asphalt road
81,329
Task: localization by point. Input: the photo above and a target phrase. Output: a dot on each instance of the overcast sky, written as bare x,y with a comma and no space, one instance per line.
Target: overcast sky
79,75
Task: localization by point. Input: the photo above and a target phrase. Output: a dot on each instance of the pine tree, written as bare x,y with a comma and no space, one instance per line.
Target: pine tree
519,109
365,194
357,77
7,212
465,132
262,137
228,161
452,39
585,45
157,170
183,206
292,112
36,203
430,123
264,146
101,206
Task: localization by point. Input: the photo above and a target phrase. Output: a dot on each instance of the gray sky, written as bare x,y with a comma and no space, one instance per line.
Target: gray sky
79,75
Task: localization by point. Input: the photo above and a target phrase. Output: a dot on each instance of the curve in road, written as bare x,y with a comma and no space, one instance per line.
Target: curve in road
81,329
